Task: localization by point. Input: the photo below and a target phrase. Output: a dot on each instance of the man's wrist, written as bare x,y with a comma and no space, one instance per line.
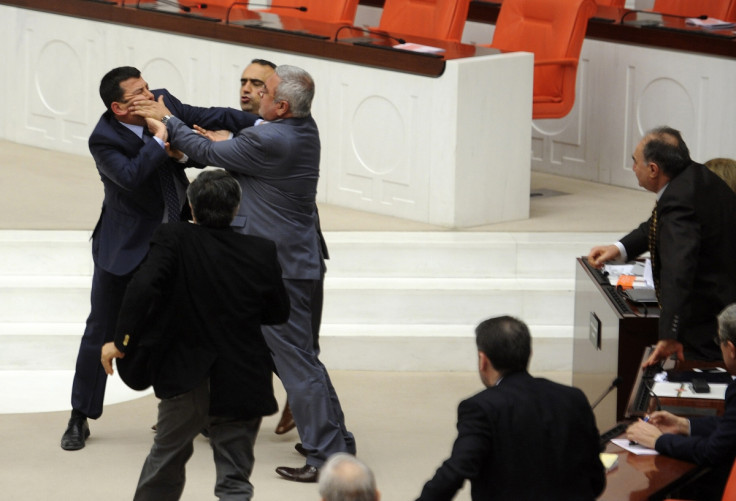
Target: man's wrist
165,119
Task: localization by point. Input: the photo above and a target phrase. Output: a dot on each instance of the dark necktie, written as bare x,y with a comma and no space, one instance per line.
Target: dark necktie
166,175
654,255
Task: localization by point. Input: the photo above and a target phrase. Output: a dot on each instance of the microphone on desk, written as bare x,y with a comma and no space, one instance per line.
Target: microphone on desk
300,8
614,384
372,32
676,16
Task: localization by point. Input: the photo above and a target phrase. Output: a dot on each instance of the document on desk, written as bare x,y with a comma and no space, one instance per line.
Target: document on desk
637,449
685,390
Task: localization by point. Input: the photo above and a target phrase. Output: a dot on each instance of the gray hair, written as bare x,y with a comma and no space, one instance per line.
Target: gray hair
727,324
345,478
296,88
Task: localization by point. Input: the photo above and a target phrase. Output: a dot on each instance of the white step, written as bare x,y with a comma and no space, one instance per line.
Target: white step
381,286
393,301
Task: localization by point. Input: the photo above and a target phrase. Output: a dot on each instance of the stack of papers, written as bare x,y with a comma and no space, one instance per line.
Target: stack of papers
415,47
710,23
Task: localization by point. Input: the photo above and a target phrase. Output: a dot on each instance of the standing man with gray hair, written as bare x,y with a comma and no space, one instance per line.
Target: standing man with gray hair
707,440
345,478
277,165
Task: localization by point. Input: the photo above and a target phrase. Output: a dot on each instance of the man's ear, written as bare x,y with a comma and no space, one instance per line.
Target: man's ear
731,350
283,108
653,169
117,109
483,362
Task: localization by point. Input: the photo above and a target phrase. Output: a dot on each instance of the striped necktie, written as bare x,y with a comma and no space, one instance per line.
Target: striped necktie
653,251
166,175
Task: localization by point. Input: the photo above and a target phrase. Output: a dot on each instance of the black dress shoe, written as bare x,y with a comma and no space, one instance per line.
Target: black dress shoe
301,450
307,473
76,433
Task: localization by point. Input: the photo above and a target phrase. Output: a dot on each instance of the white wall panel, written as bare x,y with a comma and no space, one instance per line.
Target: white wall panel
624,90
451,150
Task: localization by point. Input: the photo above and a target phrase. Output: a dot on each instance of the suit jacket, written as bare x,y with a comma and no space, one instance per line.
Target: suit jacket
696,232
197,303
526,438
712,439
277,165
134,205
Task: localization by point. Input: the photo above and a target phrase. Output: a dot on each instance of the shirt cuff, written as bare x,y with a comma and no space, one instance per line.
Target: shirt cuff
622,250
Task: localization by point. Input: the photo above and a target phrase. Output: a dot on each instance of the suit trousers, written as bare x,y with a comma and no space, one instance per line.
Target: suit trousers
88,388
312,398
180,420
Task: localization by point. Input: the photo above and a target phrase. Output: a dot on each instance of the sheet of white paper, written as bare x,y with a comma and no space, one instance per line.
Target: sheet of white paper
685,390
648,274
639,450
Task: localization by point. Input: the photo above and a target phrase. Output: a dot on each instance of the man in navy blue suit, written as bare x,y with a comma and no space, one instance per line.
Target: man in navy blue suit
145,186
706,440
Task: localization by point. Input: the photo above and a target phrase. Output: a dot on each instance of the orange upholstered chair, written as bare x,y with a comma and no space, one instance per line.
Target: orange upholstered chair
554,31
440,19
611,3
329,11
729,493
711,8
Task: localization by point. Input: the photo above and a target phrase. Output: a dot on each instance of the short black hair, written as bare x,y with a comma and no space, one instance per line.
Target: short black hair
110,90
215,196
264,62
666,148
506,342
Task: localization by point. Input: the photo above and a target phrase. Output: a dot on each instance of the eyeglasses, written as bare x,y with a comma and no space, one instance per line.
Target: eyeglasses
718,341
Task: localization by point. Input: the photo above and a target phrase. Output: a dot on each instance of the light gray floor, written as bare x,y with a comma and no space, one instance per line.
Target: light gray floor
404,422
50,190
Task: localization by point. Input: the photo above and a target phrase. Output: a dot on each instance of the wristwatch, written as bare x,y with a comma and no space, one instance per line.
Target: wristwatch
165,119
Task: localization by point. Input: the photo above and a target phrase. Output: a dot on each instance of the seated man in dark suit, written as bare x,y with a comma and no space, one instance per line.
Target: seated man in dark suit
522,437
706,440
196,306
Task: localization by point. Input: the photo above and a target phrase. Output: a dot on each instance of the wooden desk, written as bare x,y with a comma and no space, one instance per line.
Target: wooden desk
639,478
625,330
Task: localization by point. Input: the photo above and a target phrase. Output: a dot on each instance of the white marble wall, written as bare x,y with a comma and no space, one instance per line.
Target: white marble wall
624,90
451,151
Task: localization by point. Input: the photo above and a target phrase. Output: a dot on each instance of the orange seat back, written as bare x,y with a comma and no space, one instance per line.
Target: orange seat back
554,31
440,19
328,11
729,493
611,3
711,8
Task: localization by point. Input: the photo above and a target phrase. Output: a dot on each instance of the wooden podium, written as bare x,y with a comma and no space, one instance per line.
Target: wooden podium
610,335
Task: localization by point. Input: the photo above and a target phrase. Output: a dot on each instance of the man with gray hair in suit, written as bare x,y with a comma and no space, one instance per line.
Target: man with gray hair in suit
345,478
277,166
